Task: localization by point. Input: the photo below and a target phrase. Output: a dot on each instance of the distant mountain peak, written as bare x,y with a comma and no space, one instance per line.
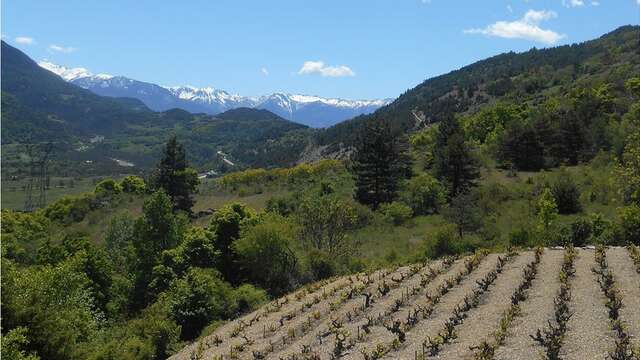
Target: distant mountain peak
70,74
311,110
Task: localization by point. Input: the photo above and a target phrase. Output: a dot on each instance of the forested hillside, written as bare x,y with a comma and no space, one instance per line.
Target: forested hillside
40,107
527,78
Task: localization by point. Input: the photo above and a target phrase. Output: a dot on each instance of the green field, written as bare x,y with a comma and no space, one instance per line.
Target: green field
14,191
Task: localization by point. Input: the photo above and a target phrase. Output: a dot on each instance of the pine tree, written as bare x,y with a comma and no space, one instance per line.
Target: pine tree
158,229
175,177
454,164
380,161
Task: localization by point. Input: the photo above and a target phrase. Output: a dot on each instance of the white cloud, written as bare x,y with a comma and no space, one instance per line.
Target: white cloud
264,71
24,40
62,49
595,3
319,67
526,28
572,3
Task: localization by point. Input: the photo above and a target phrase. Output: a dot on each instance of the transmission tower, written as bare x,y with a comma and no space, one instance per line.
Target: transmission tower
38,172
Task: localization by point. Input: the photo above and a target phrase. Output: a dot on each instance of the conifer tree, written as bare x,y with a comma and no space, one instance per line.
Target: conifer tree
380,161
175,177
454,164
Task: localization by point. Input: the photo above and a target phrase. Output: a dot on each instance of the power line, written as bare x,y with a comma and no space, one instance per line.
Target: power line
39,155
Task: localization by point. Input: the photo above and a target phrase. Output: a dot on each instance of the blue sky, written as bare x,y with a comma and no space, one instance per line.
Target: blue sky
351,48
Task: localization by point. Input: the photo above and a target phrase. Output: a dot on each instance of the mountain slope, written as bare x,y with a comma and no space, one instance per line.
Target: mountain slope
38,106
516,77
313,111
55,105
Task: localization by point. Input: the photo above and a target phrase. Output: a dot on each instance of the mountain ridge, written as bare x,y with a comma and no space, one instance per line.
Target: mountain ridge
310,110
516,77
39,107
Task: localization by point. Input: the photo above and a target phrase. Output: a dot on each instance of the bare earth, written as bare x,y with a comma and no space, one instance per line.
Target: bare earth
628,281
535,311
483,320
588,336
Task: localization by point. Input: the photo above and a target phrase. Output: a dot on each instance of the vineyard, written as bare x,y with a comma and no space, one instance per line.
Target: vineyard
572,303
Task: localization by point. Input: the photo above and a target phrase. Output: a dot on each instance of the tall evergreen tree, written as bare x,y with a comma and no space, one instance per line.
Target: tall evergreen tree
158,229
175,177
380,161
454,164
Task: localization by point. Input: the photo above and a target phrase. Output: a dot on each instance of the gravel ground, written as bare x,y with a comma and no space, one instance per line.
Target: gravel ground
588,335
223,331
628,281
483,320
431,326
262,344
381,335
379,305
535,311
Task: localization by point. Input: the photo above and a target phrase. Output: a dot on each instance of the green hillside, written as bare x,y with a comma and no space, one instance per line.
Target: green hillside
40,107
522,78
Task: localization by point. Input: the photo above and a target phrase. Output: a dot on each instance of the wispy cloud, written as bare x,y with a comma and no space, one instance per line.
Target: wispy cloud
572,3
509,8
24,40
319,67
528,27
62,49
264,71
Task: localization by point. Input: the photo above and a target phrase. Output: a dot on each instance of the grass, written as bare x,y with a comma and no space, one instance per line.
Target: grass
381,243
14,195
96,223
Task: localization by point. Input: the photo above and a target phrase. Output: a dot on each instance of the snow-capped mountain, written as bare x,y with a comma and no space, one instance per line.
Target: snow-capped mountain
70,74
313,111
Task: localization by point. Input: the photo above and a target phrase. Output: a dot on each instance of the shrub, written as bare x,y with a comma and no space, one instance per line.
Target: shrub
133,184
547,209
197,249
321,265
54,302
629,224
519,237
567,195
70,209
15,344
442,242
21,233
580,232
363,215
424,194
396,213
265,252
107,188
198,298
281,205
225,224
249,298
118,241
324,222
